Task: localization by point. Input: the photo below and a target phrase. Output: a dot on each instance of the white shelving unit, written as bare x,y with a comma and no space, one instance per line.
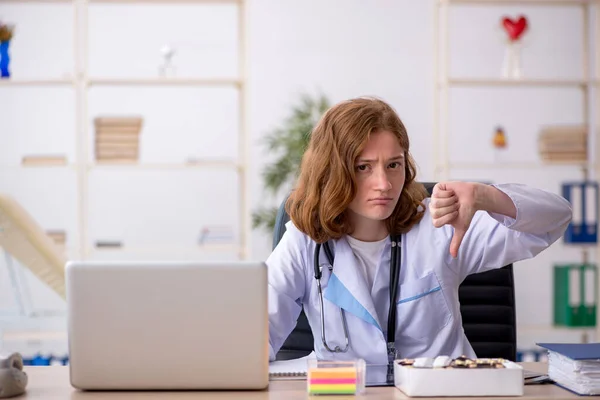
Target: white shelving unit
84,163
588,86
523,82
163,82
37,82
445,82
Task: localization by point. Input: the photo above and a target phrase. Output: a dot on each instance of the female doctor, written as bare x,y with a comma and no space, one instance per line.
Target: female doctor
389,260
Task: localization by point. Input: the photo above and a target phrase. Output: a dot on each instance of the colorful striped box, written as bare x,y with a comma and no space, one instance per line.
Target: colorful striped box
335,377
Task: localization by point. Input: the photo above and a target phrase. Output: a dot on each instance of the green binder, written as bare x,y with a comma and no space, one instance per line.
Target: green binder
575,294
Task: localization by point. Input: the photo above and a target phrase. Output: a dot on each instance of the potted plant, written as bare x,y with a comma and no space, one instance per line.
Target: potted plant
287,143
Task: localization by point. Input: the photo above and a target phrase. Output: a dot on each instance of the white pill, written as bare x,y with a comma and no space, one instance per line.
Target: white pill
441,361
423,362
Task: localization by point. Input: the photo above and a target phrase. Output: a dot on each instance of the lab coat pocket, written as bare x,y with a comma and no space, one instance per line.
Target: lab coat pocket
422,308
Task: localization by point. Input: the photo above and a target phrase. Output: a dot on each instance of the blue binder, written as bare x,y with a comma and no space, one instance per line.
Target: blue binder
583,197
575,351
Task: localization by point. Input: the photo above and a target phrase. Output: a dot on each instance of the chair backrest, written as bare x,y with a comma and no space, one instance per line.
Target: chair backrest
487,306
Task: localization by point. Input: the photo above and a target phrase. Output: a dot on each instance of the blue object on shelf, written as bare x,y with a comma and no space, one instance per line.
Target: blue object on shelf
519,356
583,197
41,360
4,59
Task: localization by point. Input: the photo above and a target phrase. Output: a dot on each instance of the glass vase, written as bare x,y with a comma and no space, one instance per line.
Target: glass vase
512,68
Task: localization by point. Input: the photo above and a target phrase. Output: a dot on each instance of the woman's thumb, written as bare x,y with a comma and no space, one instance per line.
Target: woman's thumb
457,238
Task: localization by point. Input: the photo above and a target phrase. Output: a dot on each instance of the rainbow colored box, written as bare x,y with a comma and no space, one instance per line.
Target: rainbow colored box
335,377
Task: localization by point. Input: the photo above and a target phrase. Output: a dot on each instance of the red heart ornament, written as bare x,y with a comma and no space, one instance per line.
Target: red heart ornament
514,28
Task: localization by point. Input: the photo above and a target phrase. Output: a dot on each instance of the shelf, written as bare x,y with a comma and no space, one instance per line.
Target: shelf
36,82
518,82
37,1
132,165
521,2
34,166
529,335
164,166
164,249
164,82
163,1
556,328
515,165
34,335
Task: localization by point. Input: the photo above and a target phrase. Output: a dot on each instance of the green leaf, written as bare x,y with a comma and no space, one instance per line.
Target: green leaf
287,143
264,218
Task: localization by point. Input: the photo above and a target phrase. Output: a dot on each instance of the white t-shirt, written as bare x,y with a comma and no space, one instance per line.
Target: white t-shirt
368,255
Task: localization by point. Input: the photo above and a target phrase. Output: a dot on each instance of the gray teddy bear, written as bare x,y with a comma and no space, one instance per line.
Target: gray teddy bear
13,379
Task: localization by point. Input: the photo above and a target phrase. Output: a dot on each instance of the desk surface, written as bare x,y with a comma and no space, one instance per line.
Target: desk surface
52,383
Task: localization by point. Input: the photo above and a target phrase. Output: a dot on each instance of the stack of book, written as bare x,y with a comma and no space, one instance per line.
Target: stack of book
117,139
575,366
563,144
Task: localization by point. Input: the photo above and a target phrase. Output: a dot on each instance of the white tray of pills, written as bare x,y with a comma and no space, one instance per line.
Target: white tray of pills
444,376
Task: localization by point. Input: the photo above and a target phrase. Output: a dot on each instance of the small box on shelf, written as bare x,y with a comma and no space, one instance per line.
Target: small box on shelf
43,160
108,244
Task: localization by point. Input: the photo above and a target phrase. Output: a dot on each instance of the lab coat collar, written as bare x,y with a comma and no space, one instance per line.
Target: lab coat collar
347,287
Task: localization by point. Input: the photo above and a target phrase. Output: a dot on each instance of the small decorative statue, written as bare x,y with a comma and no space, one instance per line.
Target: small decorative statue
167,69
499,138
6,34
512,57
13,380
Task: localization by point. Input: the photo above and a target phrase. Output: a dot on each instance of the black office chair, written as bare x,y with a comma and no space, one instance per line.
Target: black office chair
487,305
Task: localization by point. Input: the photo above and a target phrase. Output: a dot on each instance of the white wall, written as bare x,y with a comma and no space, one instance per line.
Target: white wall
342,48
383,49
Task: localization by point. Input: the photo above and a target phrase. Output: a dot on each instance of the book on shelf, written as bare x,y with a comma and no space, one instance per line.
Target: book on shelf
562,146
116,145
564,157
131,137
576,130
118,121
111,151
44,160
116,141
115,130
117,161
122,153
109,244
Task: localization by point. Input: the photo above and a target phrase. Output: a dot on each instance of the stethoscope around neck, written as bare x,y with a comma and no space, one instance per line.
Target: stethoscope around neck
394,276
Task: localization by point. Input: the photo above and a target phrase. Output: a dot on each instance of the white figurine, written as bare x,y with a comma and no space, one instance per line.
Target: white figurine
167,69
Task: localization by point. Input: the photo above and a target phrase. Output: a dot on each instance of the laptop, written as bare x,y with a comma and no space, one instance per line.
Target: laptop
167,325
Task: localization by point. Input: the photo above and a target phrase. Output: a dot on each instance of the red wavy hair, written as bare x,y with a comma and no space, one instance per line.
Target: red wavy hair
327,183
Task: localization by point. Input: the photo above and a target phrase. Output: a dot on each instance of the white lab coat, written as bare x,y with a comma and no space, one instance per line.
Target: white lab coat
428,312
